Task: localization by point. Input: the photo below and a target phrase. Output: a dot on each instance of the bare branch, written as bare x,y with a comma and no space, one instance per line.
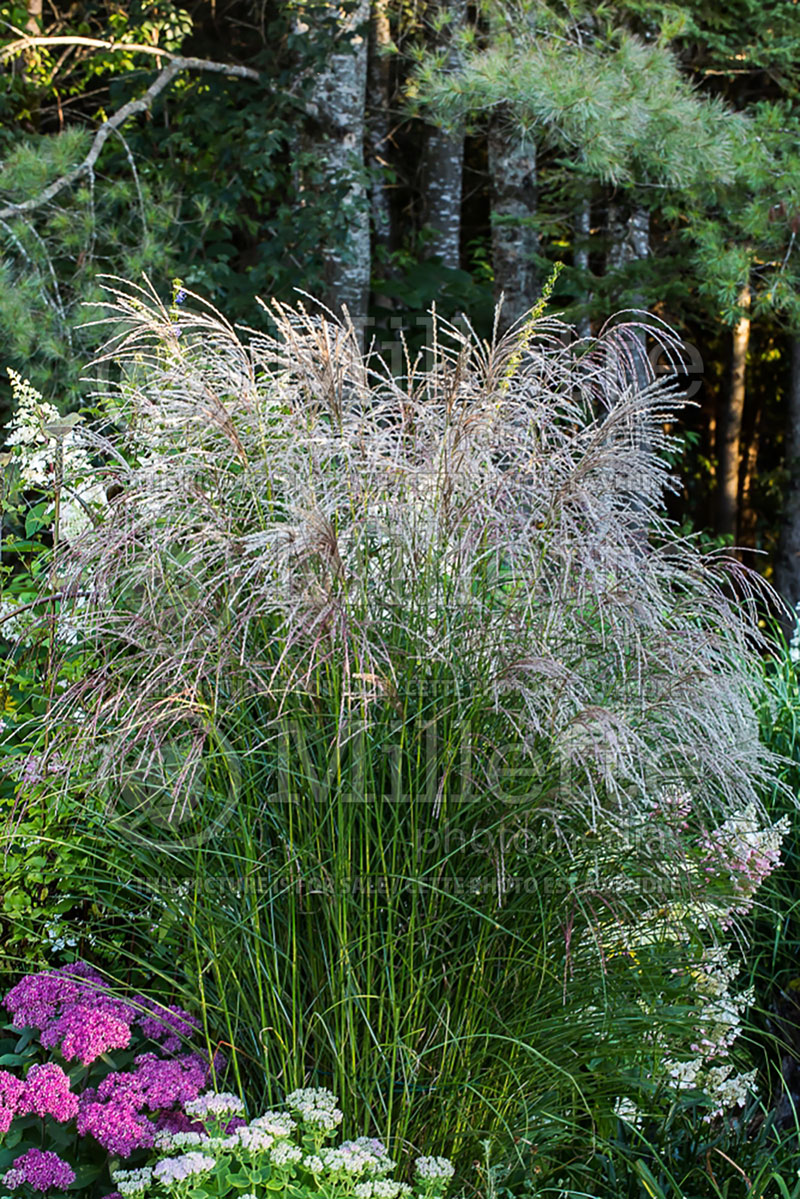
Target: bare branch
132,108
27,43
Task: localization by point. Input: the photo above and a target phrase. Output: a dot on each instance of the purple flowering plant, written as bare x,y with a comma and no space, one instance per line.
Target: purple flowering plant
88,1081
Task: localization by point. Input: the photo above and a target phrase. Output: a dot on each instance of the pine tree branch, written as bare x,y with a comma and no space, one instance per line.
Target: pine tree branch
132,108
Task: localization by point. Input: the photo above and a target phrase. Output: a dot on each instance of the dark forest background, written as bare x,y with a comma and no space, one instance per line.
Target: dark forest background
393,153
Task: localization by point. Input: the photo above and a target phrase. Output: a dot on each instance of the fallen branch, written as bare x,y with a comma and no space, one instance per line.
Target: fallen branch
163,80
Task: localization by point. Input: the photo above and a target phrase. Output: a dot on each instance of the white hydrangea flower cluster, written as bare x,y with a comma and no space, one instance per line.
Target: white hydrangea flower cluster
719,1011
15,623
728,1092
719,1016
625,1109
747,852
316,1107
214,1105
173,1170
221,1144
743,852
132,1182
430,1168
25,432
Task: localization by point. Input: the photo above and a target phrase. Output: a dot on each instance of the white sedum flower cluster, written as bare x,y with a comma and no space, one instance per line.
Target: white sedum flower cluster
214,1105
171,1141
174,1170
381,1188
285,1154
430,1168
365,1155
255,1140
355,1168
316,1107
278,1124
132,1182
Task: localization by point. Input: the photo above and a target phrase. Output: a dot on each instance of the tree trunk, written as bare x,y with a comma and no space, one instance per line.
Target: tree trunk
748,516
443,165
515,240
338,107
730,434
580,256
787,564
379,85
33,24
629,242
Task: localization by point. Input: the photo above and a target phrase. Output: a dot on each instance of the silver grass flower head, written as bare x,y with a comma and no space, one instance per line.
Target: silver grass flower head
436,523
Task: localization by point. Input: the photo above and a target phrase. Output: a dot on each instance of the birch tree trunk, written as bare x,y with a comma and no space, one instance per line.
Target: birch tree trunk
338,108
787,564
515,240
379,85
730,434
443,165
580,255
629,242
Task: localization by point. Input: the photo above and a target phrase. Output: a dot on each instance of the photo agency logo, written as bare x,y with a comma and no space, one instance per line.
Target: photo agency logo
175,788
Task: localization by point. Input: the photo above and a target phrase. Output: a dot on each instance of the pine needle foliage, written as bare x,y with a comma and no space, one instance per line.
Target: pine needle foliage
618,108
383,678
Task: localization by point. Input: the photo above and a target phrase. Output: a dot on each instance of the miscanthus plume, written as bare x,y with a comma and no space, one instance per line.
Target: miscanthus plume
284,507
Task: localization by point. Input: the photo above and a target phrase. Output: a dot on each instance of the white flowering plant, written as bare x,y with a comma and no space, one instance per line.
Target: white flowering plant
717,873
46,493
277,1152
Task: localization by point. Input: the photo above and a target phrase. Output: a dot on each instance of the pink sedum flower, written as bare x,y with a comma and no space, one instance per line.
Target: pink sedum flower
46,1092
85,1032
10,1091
118,1127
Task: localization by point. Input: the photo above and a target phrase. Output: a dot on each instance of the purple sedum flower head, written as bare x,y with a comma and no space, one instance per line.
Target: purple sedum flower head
85,1032
166,1024
10,1091
47,1093
41,1171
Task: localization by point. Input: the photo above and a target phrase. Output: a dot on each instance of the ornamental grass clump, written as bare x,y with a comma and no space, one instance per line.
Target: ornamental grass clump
386,686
